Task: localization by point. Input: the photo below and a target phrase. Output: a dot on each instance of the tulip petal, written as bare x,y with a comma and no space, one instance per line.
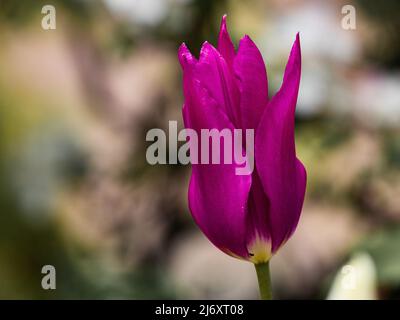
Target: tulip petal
215,75
225,45
185,57
217,196
188,62
282,174
258,237
250,69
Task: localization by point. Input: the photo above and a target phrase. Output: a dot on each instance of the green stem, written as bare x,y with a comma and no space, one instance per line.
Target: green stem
264,280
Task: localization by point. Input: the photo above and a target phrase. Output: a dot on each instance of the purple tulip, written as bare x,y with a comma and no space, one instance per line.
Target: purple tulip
246,216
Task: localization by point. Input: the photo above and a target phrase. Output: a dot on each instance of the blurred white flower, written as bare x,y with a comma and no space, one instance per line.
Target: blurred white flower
322,36
326,49
377,99
147,12
356,280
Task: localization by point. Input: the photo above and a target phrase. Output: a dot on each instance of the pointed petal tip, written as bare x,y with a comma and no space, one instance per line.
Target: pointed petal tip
206,50
294,61
296,43
185,56
223,30
204,47
182,49
225,45
246,39
223,22
247,43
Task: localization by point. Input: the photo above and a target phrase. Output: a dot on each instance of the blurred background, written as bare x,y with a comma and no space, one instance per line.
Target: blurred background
77,193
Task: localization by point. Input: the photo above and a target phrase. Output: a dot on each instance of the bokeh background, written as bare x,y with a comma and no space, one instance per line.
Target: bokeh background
76,191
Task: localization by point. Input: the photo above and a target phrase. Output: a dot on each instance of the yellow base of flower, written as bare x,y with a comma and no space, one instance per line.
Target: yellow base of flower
260,250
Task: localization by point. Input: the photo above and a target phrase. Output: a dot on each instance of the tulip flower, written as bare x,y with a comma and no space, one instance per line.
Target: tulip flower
246,216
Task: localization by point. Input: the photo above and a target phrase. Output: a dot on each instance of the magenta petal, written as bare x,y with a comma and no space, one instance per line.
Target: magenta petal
214,74
282,174
225,45
186,59
258,206
217,196
250,69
